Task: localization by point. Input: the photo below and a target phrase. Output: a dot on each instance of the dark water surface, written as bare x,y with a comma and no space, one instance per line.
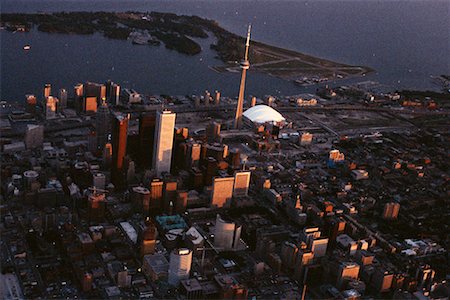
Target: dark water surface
404,41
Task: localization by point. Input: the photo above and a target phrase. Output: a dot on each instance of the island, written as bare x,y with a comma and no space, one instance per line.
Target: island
179,33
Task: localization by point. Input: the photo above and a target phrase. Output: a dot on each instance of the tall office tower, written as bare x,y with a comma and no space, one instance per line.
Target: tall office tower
102,124
112,93
211,170
147,124
289,254
50,107
217,97
193,154
34,136
119,147
347,271
97,90
107,155
235,158
241,183
335,226
222,192
181,202
90,104
141,200
390,211
162,152
207,97
62,100
78,93
96,206
245,64
319,247
309,234
213,132
47,90
303,259
148,238
170,193
226,234
31,104
382,279
180,265
156,195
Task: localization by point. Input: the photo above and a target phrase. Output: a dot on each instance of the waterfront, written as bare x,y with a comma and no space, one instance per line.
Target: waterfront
398,39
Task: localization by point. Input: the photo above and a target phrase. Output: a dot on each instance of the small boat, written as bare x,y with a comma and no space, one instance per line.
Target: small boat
26,47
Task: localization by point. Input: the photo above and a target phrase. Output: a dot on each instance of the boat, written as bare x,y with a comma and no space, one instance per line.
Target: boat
26,47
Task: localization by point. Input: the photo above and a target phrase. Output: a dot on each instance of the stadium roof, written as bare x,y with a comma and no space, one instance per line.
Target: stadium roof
263,114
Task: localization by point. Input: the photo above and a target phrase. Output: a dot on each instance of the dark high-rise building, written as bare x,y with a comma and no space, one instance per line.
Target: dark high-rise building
156,194
213,132
31,104
147,123
148,238
211,170
47,90
102,124
78,92
119,147
170,193
96,207
112,93
62,100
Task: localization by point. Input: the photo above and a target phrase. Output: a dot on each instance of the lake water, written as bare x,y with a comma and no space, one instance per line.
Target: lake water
404,41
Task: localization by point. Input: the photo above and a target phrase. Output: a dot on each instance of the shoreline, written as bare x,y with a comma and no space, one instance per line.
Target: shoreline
178,32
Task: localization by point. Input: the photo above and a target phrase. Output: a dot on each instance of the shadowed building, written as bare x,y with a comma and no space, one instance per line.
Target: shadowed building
119,147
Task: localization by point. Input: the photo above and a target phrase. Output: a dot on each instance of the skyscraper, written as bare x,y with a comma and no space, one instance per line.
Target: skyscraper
102,124
180,265
241,183
119,146
162,152
78,91
47,90
226,234
147,124
222,191
50,107
148,238
245,64
62,99
112,93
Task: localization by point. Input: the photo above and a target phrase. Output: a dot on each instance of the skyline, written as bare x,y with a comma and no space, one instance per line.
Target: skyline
191,175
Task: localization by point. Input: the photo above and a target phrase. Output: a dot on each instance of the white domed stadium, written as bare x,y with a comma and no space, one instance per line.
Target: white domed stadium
261,114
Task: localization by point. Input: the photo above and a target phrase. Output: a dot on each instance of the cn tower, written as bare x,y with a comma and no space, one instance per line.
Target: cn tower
245,64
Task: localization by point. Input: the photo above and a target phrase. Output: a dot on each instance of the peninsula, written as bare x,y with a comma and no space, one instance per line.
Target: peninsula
179,33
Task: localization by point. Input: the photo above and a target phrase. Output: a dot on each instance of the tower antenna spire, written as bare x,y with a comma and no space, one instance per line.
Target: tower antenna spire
247,43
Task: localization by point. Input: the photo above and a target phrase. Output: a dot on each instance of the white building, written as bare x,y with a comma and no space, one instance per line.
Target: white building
226,234
162,152
261,114
180,265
